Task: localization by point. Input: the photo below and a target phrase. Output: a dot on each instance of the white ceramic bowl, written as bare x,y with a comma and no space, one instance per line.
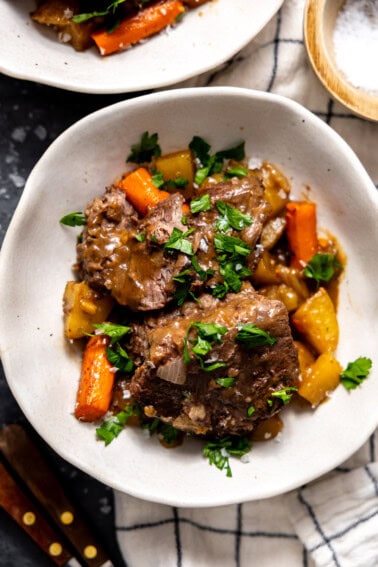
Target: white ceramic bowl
207,37
43,371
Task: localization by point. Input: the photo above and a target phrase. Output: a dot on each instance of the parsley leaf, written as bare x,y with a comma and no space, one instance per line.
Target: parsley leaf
169,433
145,150
284,394
321,267
113,330
73,219
111,8
225,382
201,203
113,426
119,357
236,171
208,334
231,218
250,411
178,241
356,372
212,163
252,336
231,245
218,451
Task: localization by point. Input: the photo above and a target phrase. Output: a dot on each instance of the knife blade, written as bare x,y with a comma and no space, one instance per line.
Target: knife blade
29,463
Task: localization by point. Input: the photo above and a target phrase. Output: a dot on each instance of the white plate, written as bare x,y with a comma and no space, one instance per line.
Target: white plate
43,370
207,37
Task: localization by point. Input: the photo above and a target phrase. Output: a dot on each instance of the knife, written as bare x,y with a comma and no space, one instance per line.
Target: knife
20,507
27,460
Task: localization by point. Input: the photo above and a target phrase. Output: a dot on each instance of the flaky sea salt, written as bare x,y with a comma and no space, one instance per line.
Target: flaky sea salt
355,42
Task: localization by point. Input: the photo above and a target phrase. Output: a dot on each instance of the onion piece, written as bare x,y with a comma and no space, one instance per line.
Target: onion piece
173,371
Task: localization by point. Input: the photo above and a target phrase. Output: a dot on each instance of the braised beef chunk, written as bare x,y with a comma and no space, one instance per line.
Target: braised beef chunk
125,255
232,398
132,257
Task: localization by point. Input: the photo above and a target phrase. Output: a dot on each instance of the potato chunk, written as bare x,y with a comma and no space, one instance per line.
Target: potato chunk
83,307
320,378
177,165
316,320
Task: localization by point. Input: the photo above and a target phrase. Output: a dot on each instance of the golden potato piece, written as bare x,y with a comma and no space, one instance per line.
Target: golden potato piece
320,378
83,307
267,429
316,320
177,165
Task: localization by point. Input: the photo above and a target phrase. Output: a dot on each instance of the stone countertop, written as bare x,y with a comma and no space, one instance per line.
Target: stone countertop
31,117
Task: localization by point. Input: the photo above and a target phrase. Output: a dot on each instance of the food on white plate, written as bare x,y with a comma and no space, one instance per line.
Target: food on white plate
206,298
112,26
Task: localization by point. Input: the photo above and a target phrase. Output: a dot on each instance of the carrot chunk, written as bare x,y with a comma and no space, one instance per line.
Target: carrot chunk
301,231
140,190
145,23
96,380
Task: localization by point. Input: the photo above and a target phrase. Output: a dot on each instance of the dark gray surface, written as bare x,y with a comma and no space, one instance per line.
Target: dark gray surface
31,117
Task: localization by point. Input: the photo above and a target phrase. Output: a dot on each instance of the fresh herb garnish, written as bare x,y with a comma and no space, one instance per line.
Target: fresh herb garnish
113,426
231,245
236,171
177,183
73,219
252,336
250,411
285,394
113,330
211,164
208,335
178,241
169,433
231,218
158,179
145,150
218,451
115,353
201,203
356,372
225,382
184,280
321,267
140,237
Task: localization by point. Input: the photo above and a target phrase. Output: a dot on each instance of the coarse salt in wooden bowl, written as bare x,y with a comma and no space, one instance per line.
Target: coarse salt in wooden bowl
320,19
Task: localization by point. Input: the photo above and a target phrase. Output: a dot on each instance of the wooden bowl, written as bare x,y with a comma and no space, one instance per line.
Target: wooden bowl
319,22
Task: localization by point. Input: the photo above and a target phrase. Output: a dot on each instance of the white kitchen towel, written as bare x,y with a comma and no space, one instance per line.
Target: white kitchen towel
332,522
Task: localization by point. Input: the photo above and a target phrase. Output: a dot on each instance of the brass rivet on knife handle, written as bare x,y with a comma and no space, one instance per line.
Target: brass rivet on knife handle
28,461
19,506
90,552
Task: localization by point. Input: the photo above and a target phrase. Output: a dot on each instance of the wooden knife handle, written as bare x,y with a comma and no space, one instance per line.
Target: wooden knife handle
27,460
23,511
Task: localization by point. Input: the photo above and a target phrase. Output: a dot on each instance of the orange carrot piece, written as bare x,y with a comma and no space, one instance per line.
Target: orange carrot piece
141,191
96,380
145,23
301,231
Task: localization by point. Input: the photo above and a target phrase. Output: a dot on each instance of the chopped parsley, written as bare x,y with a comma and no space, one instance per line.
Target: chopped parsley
356,372
201,203
236,171
115,353
178,241
231,245
208,334
250,411
285,394
73,219
113,426
140,237
145,150
218,451
231,218
211,164
321,267
252,336
225,382
184,281
169,433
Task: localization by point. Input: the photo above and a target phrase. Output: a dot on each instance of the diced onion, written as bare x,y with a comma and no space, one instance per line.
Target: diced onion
174,371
